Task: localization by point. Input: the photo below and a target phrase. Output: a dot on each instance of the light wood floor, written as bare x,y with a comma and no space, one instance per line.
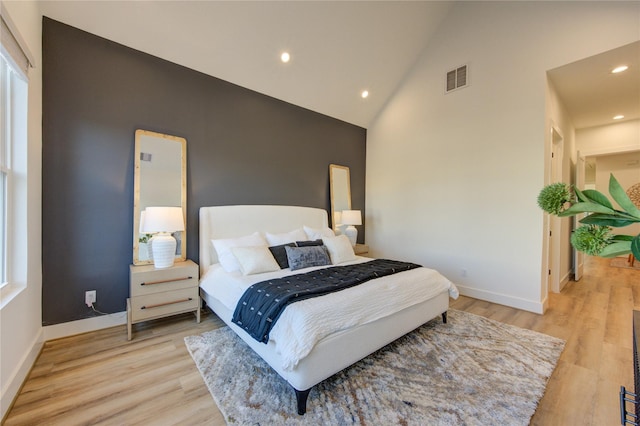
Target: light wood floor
101,378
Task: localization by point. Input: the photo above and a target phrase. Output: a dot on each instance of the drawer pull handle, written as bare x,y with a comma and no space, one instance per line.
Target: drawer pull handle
167,303
166,281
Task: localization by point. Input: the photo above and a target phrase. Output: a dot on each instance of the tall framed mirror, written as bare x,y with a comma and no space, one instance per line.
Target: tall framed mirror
160,180
340,189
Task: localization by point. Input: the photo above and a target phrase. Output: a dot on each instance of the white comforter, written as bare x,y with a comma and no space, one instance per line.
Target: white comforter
304,323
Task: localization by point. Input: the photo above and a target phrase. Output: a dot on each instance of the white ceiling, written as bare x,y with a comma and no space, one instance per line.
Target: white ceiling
337,48
593,95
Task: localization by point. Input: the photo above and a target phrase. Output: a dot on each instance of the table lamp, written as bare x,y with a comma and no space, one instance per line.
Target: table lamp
162,221
350,218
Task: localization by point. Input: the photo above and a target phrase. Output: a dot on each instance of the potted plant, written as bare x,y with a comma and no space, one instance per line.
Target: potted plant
594,236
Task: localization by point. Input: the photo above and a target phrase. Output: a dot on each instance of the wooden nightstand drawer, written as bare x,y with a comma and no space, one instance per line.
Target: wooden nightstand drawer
150,282
165,303
157,293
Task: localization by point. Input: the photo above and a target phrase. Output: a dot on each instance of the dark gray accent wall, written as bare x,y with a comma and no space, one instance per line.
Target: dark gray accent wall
242,148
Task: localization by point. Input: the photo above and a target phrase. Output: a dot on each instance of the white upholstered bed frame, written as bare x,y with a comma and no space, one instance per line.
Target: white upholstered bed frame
333,353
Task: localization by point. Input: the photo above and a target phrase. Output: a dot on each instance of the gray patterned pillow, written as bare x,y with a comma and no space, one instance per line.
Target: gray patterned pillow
305,257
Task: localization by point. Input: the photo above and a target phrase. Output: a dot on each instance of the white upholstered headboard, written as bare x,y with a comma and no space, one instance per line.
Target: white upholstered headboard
236,221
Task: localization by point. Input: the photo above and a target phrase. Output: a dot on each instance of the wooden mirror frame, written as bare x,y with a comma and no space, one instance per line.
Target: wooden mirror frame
142,138
340,189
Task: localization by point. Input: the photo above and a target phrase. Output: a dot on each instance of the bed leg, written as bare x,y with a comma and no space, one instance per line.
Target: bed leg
301,398
444,317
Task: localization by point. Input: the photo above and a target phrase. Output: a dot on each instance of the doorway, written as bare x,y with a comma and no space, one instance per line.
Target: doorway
585,95
595,168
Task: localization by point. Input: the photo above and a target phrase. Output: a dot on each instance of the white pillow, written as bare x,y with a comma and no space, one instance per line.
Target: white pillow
339,248
255,260
223,249
286,237
318,233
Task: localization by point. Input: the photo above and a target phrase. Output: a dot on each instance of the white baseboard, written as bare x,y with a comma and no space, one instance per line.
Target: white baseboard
71,328
11,386
565,280
537,307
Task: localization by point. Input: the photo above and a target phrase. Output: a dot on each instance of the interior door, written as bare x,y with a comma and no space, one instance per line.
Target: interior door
578,256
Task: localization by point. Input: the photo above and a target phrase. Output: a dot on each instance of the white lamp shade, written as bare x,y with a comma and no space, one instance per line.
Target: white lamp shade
161,219
351,217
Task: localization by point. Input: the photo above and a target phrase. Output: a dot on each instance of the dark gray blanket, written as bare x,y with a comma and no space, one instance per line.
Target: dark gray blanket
261,304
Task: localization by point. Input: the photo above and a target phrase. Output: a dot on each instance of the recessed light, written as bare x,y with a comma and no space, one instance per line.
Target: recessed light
364,94
618,117
621,68
285,57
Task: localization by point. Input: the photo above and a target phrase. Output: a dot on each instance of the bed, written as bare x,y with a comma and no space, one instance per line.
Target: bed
336,348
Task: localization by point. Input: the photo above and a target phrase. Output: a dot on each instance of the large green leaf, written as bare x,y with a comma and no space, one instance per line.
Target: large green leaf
635,247
623,237
607,220
585,208
616,249
581,195
598,197
622,198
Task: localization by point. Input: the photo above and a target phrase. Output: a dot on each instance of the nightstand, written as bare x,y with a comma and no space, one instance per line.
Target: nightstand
361,249
156,293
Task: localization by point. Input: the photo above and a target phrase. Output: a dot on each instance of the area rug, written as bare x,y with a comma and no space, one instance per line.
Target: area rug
469,371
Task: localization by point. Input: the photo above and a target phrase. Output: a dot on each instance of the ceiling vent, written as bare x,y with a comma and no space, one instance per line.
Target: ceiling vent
457,79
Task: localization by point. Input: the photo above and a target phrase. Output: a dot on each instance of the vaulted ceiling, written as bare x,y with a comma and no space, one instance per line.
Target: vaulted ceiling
338,49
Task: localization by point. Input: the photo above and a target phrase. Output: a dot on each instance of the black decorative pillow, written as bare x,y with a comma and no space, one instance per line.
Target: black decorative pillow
280,254
309,243
305,257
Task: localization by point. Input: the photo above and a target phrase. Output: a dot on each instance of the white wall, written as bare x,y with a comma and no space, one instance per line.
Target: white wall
21,317
452,179
619,137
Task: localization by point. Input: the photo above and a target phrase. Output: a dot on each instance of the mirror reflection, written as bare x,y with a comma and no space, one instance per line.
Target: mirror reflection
340,188
159,181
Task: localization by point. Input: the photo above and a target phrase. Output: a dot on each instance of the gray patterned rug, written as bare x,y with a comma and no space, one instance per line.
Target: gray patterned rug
470,371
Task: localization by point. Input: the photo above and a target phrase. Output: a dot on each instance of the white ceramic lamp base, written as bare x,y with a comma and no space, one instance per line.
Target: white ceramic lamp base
163,247
352,233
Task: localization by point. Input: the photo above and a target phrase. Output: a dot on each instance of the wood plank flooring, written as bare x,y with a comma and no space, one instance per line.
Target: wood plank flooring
100,378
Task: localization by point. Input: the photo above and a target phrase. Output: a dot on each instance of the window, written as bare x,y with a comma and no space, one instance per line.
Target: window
13,141
5,163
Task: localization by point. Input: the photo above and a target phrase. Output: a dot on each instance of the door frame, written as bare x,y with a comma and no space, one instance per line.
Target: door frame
549,271
555,223
578,256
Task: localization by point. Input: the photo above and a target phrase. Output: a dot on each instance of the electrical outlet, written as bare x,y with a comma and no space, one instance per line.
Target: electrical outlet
90,297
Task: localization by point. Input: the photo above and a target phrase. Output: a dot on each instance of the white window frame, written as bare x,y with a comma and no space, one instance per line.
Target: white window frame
13,139
5,169
16,61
